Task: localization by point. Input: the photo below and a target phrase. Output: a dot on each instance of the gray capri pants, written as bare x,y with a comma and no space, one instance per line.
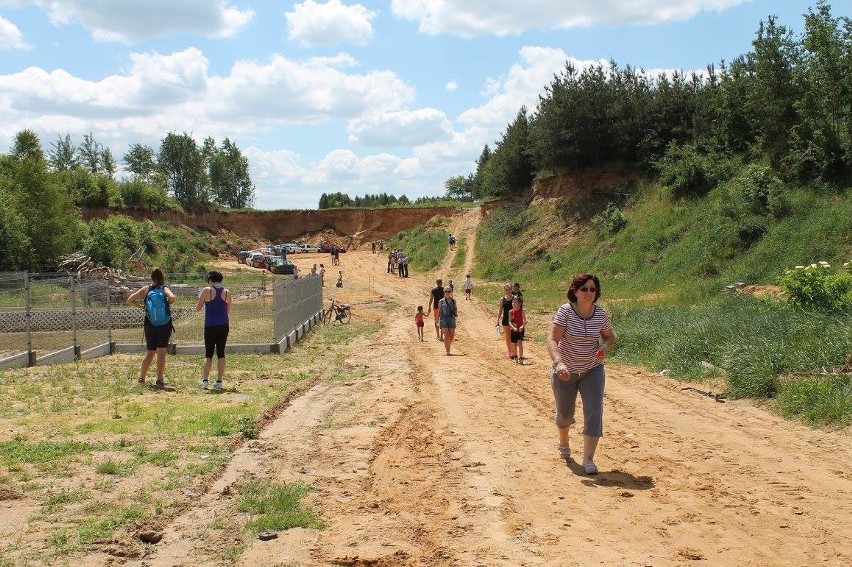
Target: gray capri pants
591,388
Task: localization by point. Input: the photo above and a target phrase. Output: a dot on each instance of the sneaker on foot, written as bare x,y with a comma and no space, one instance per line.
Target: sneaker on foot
217,385
590,468
203,384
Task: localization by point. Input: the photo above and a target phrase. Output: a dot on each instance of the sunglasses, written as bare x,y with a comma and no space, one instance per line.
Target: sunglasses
588,289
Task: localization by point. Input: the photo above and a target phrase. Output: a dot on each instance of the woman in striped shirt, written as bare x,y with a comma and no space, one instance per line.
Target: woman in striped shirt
580,336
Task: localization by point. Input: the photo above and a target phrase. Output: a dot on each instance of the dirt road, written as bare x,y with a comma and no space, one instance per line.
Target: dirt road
432,460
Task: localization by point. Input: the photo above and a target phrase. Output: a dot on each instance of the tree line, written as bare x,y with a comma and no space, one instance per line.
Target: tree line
41,192
343,200
787,103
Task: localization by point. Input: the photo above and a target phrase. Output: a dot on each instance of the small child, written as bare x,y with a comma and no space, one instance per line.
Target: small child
468,286
339,280
418,320
517,322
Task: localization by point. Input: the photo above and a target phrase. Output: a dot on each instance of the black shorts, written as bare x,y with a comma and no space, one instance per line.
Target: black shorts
157,336
517,336
215,337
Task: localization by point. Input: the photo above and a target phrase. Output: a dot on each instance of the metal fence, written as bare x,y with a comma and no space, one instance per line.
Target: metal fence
47,316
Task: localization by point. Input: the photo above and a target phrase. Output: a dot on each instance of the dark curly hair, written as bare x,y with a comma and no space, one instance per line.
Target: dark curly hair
578,282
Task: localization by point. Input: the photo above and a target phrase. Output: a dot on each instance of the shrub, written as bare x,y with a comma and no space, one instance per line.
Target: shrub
819,286
612,219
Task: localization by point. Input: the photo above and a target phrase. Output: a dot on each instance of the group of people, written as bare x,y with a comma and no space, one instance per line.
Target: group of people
398,263
581,335
215,299
513,321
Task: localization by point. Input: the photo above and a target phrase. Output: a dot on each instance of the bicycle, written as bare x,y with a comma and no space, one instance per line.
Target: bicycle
337,312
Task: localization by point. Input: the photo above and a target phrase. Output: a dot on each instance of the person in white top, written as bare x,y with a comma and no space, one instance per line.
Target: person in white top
580,336
468,286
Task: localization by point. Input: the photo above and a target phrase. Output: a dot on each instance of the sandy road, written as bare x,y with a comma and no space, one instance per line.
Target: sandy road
433,460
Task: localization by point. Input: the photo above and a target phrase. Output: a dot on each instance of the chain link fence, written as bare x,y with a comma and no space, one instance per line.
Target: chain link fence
43,315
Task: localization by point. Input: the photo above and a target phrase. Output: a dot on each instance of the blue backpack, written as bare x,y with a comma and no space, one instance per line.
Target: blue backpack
157,307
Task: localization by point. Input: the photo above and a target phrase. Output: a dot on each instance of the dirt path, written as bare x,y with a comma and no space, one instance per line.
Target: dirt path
431,460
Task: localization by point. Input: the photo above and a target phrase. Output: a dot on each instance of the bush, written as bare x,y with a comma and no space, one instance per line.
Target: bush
690,171
819,286
612,219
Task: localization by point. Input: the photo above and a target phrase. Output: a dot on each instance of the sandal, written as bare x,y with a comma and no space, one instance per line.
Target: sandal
590,468
565,452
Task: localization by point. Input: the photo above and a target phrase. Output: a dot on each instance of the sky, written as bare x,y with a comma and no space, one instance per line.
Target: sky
321,96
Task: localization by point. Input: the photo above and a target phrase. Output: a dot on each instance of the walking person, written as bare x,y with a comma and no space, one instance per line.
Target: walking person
518,322
503,320
468,287
322,274
435,297
216,302
155,299
447,321
581,334
419,321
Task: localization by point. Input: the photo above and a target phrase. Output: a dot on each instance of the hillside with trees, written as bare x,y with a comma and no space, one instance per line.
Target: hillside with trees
41,193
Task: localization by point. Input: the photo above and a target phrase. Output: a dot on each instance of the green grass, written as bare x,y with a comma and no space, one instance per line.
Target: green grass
425,245
276,507
90,422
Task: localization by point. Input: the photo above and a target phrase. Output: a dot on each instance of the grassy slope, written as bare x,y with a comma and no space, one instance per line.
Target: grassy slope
664,277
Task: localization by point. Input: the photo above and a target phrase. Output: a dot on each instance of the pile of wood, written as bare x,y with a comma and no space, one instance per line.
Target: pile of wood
79,263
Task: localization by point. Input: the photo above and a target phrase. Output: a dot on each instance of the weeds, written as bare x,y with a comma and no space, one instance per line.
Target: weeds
277,507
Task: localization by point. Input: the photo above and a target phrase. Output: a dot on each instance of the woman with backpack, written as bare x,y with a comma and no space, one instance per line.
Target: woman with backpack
447,313
154,299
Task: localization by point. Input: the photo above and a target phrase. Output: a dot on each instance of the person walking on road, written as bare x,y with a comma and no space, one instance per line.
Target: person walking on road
435,297
468,287
518,322
581,334
447,320
503,320
216,302
419,321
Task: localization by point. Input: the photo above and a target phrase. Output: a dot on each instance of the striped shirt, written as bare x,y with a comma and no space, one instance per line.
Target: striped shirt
578,345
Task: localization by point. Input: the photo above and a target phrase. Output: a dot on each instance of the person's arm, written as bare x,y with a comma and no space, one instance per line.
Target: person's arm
202,299
608,342
524,315
135,298
170,297
500,311
431,298
556,333
226,295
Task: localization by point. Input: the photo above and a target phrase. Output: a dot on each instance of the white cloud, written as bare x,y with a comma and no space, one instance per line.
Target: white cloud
510,17
451,86
332,23
401,128
138,20
521,86
10,36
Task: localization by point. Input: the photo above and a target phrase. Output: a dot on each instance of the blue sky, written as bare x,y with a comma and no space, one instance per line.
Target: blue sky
336,95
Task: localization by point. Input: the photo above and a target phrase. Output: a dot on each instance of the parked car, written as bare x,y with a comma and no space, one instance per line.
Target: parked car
258,260
328,246
278,266
242,255
313,248
291,247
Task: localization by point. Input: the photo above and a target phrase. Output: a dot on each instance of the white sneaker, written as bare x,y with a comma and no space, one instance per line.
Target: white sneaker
217,385
203,384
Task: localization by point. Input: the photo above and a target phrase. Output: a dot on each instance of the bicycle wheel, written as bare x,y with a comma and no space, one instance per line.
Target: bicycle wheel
326,317
345,315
